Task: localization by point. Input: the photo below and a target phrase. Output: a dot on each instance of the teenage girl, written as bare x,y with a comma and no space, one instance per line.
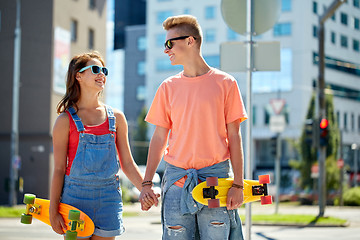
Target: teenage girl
90,143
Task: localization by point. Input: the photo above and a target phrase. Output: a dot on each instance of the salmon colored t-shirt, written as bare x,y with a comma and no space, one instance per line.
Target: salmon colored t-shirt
196,110
74,138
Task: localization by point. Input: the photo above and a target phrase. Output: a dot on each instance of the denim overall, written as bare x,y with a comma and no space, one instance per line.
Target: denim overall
92,185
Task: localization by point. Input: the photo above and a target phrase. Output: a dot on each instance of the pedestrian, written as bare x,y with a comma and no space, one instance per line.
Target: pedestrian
197,114
90,142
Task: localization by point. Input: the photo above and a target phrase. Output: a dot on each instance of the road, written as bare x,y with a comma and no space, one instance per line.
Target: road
147,226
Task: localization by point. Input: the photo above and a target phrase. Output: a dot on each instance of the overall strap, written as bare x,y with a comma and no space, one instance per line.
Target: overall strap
112,119
79,125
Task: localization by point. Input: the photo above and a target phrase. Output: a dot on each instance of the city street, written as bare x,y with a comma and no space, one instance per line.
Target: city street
147,226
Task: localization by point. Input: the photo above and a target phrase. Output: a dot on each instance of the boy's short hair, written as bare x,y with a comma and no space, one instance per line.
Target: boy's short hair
186,25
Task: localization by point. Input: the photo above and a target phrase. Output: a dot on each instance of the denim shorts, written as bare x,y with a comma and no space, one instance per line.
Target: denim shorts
102,203
211,223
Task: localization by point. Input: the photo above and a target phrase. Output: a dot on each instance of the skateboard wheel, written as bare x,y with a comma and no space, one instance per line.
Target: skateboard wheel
213,203
29,198
26,218
212,181
264,179
266,200
74,215
69,235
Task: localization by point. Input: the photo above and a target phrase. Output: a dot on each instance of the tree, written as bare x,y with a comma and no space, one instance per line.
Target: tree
308,152
140,141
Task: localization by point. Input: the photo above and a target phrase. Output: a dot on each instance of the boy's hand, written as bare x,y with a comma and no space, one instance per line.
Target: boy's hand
235,198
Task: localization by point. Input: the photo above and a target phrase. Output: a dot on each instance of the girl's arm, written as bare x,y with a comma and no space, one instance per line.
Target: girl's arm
60,146
127,162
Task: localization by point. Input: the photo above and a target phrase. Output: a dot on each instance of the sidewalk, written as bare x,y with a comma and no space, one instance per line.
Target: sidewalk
351,214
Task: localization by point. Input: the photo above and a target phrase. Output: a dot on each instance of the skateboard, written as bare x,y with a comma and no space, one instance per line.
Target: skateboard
213,191
78,223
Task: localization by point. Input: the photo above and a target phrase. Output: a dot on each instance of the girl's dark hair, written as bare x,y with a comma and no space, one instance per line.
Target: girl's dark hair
72,94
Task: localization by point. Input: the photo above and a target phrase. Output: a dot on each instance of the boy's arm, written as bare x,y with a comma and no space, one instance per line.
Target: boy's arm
235,196
156,151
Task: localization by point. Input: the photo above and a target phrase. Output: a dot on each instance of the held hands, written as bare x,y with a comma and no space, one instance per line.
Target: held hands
148,198
235,198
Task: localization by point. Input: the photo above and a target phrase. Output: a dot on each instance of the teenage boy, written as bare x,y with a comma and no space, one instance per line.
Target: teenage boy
201,107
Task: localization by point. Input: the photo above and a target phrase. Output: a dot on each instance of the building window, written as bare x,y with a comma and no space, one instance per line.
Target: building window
356,23
213,60
343,41
315,31
160,39
333,17
344,18
74,29
266,117
141,93
356,3
282,29
285,5
345,121
333,37
187,11
92,4
210,35
315,7
231,35
163,64
210,12
352,122
141,68
359,123
91,39
356,45
162,16
141,43
338,118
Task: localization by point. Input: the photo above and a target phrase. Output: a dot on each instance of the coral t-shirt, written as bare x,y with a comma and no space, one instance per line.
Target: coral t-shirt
197,110
73,143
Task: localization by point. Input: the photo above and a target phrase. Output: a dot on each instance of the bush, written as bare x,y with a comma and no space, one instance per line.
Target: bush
352,197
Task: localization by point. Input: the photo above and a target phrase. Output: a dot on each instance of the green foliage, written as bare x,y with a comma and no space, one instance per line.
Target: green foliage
12,212
140,151
309,154
351,197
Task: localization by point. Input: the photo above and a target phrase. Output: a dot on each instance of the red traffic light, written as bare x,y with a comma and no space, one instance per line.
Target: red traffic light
324,123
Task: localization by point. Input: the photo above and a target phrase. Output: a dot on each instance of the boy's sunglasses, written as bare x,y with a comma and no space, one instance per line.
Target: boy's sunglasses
169,45
96,69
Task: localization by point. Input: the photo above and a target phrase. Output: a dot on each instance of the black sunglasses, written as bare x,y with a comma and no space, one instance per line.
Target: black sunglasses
168,44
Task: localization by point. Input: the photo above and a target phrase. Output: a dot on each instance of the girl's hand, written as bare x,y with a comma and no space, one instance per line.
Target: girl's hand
148,198
57,223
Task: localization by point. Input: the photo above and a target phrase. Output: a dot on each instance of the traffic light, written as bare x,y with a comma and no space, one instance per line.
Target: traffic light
309,131
273,146
324,132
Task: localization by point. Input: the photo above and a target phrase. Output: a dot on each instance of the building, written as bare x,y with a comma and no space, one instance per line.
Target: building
134,72
127,13
296,30
52,32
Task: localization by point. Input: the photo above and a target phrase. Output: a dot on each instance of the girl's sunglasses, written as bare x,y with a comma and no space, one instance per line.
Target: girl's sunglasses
169,45
96,69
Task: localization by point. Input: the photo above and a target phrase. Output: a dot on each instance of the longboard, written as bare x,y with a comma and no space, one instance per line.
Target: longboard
78,223
213,192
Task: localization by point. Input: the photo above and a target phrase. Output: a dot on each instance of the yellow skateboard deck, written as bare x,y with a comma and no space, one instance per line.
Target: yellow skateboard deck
78,223
213,192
